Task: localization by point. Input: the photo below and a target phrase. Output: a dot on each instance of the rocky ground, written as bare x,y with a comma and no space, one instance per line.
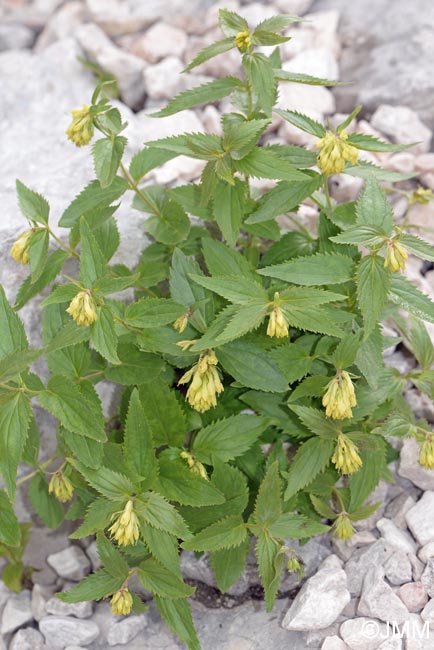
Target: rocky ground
386,572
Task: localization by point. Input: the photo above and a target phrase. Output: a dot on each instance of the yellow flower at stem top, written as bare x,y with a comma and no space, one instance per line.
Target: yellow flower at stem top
194,465
335,152
243,41
205,382
20,249
80,131
82,308
125,529
339,396
61,486
346,455
396,256
422,195
343,528
426,457
122,602
277,323
181,323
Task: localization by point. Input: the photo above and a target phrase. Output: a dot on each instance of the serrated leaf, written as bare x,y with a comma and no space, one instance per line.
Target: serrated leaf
262,163
107,155
153,312
178,483
364,235
289,526
373,282
317,422
366,479
136,367
148,159
87,451
203,94
110,484
268,506
283,198
210,52
222,260
367,170
163,546
299,78
92,262
94,587
12,333
228,208
103,336
182,288
311,459
29,289
346,351
46,505
177,615
233,288
418,247
163,413
303,122
38,253
240,134
373,208
270,564
13,364
421,344
316,270
247,317
110,557
99,514
33,205
10,532
91,197
406,295
157,579
228,438
138,443
225,533
370,143
369,358
277,23
156,511
252,367
231,23
259,74
15,414
228,565
263,37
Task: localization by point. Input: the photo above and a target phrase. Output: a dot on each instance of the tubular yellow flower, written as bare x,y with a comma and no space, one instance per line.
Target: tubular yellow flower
243,41
61,486
421,195
80,131
122,602
343,528
339,396
181,323
346,455
184,345
277,323
20,249
335,152
396,256
82,308
426,457
294,566
194,465
205,382
125,529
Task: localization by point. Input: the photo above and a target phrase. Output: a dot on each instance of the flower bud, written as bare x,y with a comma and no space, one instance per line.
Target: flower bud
277,323
396,256
80,131
339,396
82,308
20,249
426,457
346,456
343,528
125,529
122,602
194,465
243,41
294,565
205,382
181,323
61,486
335,152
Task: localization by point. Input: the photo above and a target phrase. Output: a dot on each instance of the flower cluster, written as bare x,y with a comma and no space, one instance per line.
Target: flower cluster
122,602
80,131
335,152
426,457
194,465
343,528
125,529
346,456
339,397
61,487
277,324
205,382
20,249
396,256
82,308
243,41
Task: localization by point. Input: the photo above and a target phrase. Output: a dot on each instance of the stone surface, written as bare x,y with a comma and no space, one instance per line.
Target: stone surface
17,612
398,568
334,643
15,37
61,25
378,600
122,632
59,608
398,508
419,519
363,633
320,600
410,467
71,563
159,41
403,126
27,639
427,578
163,80
414,596
397,538
62,631
361,560
426,552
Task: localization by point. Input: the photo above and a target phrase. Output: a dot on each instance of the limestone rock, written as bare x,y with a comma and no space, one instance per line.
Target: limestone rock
15,37
426,552
398,568
159,41
318,62
427,578
398,508
403,126
361,560
163,80
334,643
59,608
410,467
27,639
414,596
62,631
363,633
378,600
17,612
122,632
71,563
397,538
61,25
419,519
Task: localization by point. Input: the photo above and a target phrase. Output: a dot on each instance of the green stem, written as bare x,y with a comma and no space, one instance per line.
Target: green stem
327,194
133,185
65,247
40,468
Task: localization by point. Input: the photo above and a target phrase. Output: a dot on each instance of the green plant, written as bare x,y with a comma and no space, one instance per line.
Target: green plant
237,338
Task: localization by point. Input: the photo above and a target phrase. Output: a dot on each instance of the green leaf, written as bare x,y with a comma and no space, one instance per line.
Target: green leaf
148,159
263,37
346,352
226,439
163,413
29,289
283,198
93,196
183,290
33,206
178,483
222,260
248,317
225,533
311,459
290,526
370,357
316,269
171,225
240,134
138,443
260,76
373,208
103,336
421,344
302,122
373,282
271,564
262,163
228,207
210,52
405,294
92,262
317,422
252,367
418,247
228,565
110,484
13,364
38,253
268,506
231,23
87,451
46,505
204,94
370,143
364,235
153,312
157,579
366,479
107,155
299,78
368,170
177,615
98,517
94,587
163,546
12,334
10,532
136,367
15,415
277,23
156,511
63,399
234,288
112,560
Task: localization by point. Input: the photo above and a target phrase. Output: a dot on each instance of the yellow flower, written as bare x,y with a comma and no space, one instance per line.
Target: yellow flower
181,323
396,256
294,566
243,41
80,131
346,455
426,457
277,323
61,486
195,465
205,382
343,528
421,195
339,396
20,249
335,152
82,308
125,529
122,602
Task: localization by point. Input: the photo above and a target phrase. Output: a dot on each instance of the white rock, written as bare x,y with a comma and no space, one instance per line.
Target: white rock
294,7
127,68
27,639
61,630
318,62
92,554
378,600
378,495
122,632
40,596
4,595
306,99
59,608
403,126
159,41
417,634
17,612
397,538
228,63
398,507
163,80
15,37
417,565
345,549
425,162
71,563
394,643
362,559
398,568
414,596
426,552
61,25
154,128
419,519
320,600
334,643
427,613
411,468
211,120
427,578
363,633
402,162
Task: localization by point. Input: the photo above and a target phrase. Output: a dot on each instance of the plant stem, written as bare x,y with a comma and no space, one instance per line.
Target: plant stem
65,247
327,194
40,468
